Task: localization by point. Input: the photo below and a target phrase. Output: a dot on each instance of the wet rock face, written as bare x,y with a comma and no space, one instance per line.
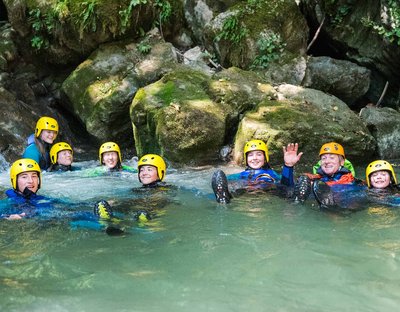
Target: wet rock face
384,124
101,88
345,35
344,79
64,33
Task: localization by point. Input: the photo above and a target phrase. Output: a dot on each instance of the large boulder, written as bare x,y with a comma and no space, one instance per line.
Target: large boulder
101,88
65,32
251,33
384,124
308,117
16,123
187,116
348,33
343,79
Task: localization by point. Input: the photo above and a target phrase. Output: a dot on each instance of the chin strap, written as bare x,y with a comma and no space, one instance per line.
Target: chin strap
27,193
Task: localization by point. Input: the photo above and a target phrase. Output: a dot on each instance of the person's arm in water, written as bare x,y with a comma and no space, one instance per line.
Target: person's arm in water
290,157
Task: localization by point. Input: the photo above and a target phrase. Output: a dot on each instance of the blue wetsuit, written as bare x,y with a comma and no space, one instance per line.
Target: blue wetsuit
32,152
30,204
260,179
265,175
43,208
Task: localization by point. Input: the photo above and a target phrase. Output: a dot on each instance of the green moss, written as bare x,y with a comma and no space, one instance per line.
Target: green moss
49,17
181,86
272,13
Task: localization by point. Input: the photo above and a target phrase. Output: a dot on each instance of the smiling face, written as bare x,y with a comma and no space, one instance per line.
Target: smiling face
28,179
330,163
65,158
148,174
48,136
255,159
380,179
110,159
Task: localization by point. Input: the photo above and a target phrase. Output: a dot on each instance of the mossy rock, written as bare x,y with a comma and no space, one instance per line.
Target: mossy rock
65,32
308,117
187,116
176,118
234,34
102,87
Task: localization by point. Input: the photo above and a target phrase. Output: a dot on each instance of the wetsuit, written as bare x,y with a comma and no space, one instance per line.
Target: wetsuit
263,179
44,208
315,183
28,202
32,151
389,196
58,167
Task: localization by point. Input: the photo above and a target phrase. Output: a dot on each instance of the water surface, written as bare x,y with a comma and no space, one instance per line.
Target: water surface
260,253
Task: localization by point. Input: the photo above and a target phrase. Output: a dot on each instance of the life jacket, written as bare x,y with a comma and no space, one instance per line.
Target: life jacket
347,164
342,176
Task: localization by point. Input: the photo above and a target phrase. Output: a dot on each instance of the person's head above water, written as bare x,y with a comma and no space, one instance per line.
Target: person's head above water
110,155
46,129
61,153
332,157
152,168
380,174
25,174
255,154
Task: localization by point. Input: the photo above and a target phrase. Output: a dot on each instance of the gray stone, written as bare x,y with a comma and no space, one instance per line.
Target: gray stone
384,124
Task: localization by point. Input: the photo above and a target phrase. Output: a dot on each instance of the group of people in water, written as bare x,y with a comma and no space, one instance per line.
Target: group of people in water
42,154
333,169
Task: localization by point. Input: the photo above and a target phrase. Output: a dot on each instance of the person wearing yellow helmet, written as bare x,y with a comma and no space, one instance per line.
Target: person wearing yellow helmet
111,159
61,157
39,143
382,184
258,174
151,170
25,176
379,174
151,173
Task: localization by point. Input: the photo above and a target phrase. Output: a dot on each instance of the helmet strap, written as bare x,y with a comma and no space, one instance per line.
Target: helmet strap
27,193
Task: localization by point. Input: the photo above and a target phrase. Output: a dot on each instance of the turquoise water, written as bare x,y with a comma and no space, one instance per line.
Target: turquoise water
260,253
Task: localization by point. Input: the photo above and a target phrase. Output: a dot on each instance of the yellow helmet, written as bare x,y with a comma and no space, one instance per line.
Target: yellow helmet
23,165
379,165
58,147
46,123
156,161
255,145
109,147
332,148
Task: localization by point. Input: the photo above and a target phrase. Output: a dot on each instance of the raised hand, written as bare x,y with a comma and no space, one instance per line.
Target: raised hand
290,156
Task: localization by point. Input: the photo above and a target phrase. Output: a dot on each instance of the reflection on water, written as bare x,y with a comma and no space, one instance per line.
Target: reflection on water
260,253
